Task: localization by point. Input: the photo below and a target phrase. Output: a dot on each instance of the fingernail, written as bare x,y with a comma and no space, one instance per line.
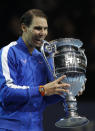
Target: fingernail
67,91
64,76
68,85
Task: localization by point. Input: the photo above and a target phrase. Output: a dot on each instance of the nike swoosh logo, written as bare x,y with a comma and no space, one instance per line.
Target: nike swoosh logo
24,61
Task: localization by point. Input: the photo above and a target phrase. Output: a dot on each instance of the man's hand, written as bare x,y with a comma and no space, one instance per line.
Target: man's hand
81,91
56,87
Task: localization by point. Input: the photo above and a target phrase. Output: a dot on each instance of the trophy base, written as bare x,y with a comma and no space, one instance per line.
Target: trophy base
72,122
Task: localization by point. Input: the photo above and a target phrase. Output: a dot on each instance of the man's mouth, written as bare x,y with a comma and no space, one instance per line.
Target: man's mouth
39,40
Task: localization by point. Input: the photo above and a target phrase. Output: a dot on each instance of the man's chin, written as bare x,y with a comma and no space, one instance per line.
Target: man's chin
38,43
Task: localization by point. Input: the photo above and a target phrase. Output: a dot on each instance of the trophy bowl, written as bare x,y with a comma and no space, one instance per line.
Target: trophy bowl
69,59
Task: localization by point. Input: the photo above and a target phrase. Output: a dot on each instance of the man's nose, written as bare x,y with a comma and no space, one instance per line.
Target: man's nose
42,31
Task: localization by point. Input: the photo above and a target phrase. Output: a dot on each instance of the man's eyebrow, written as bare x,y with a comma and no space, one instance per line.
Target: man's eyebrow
40,27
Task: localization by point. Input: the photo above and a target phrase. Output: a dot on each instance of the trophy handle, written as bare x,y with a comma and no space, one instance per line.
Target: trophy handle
50,49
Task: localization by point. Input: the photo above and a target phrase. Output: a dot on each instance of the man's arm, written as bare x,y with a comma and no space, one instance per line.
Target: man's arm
12,93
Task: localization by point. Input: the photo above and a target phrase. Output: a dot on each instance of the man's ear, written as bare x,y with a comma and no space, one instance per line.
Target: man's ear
23,27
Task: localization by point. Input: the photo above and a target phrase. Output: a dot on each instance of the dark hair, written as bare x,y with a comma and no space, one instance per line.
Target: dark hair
27,17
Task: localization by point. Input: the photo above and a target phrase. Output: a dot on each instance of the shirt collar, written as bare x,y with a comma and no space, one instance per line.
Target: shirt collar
24,47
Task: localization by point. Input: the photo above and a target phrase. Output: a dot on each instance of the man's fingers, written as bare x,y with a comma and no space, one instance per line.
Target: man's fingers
83,87
80,93
58,90
60,78
59,93
63,85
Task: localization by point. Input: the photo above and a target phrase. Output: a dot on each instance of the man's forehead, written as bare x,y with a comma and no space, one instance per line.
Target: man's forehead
39,21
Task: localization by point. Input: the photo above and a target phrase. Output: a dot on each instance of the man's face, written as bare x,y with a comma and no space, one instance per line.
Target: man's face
37,31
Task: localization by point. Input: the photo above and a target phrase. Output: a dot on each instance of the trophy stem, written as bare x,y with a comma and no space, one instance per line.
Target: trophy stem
72,119
70,105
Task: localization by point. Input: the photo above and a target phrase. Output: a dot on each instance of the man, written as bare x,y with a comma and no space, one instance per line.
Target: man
24,91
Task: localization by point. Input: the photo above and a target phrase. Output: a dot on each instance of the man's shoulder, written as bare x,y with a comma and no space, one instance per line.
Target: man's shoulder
8,49
11,44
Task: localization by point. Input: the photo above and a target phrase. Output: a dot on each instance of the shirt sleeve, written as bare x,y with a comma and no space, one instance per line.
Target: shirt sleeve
13,95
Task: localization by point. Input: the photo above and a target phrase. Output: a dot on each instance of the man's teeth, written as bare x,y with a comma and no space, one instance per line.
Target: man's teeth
40,40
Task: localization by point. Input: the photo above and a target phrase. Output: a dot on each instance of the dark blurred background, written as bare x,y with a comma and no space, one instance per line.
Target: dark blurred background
66,18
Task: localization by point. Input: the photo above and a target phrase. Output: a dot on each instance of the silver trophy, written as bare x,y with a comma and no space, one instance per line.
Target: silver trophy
70,60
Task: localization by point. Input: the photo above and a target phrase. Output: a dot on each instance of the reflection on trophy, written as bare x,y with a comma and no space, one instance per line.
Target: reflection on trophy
68,59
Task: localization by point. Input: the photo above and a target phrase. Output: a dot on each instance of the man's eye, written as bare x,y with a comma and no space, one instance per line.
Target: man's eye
38,28
46,28
41,28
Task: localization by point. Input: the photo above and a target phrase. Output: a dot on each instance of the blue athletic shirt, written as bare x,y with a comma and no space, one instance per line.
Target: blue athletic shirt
21,104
